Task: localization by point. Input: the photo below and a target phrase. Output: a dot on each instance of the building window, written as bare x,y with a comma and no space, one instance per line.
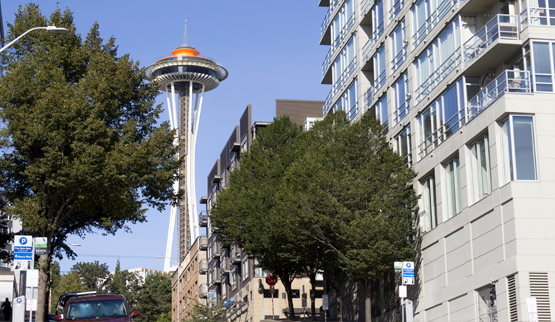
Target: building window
438,60
245,269
381,111
379,68
403,147
233,278
378,19
395,6
429,212
481,172
487,303
453,185
442,118
519,155
426,14
398,45
401,98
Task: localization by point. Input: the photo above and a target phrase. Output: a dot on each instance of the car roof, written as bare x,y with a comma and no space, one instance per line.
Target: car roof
85,297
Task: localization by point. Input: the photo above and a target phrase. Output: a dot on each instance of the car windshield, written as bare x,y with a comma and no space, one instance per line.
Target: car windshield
96,308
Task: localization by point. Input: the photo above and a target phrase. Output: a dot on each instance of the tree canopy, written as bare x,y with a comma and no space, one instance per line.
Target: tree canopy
81,146
155,298
335,197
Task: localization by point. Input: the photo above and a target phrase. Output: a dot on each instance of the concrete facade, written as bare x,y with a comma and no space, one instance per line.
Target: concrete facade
465,92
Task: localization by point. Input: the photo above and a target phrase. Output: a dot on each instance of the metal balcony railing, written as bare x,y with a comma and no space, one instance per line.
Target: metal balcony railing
203,219
510,81
374,88
395,8
438,75
203,290
538,16
203,266
203,243
345,31
501,26
432,21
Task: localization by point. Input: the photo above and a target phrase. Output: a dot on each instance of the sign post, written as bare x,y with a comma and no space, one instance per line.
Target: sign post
271,280
407,278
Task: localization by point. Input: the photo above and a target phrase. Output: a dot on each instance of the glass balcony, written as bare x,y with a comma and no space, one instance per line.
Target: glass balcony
432,21
203,266
500,27
537,16
510,81
203,219
395,8
203,243
203,290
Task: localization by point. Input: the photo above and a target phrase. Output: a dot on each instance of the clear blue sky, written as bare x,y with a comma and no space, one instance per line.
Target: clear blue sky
270,48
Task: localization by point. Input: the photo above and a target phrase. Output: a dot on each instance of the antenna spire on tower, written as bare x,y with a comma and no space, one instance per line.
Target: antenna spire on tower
186,42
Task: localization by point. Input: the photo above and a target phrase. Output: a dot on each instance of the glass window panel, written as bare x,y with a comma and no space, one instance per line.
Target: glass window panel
453,187
542,61
524,148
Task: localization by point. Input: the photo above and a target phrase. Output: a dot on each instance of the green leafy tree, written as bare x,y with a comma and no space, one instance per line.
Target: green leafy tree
155,298
247,212
164,317
206,312
354,195
81,147
126,283
94,276
67,283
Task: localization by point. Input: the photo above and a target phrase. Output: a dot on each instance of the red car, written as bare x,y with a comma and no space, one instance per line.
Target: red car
97,307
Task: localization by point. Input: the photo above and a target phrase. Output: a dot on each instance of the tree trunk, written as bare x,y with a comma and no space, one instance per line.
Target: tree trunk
287,284
312,277
367,302
44,269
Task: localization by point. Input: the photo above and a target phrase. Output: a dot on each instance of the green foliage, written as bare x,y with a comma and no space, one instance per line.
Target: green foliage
93,275
126,283
164,317
248,211
155,298
336,197
80,146
206,312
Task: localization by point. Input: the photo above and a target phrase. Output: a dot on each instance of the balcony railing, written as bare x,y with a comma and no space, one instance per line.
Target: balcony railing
326,22
510,81
538,16
203,243
203,290
345,31
203,266
432,21
438,75
374,88
501,26
395,8
365,6
203,219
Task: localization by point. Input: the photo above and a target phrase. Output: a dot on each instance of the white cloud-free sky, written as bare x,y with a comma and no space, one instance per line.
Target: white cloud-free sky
270,49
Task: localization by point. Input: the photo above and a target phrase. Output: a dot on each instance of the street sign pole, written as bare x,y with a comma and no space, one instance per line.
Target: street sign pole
407,278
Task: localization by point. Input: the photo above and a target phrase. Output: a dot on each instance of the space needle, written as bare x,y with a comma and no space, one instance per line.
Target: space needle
185,76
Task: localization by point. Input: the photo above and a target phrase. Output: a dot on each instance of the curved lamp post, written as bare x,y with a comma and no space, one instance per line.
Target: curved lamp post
51,29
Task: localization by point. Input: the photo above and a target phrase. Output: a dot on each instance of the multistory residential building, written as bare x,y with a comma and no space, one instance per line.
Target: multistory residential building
465,91
189,280
233,277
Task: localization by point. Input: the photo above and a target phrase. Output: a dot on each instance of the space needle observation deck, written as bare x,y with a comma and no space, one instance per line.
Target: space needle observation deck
185,77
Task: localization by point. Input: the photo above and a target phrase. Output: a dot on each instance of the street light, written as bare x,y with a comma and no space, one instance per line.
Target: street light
51,29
